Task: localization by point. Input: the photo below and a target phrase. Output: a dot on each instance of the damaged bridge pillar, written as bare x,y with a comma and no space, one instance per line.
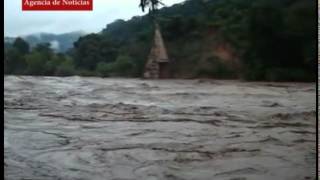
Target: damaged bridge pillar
158,64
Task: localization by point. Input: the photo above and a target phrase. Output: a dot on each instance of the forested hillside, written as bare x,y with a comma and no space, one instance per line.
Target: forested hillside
250,39
59,42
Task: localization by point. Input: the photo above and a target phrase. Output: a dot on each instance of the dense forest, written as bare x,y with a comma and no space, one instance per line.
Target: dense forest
249,39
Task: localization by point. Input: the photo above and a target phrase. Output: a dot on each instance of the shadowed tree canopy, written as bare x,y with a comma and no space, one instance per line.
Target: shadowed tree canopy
21,45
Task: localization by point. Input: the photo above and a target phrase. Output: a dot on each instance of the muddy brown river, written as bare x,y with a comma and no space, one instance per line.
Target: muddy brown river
78,128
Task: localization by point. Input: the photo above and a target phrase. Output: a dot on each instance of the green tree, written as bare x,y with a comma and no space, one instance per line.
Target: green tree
35,63
104,69
123,66
53,64
21,45
281,40
92,49
15,62
66,68
45,50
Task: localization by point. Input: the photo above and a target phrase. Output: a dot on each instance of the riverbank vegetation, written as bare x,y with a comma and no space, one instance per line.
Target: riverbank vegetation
253,40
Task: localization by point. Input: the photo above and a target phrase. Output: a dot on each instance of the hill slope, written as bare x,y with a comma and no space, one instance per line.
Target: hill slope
258,40
252,39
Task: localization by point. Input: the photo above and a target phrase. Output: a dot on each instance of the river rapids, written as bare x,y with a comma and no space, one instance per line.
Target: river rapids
76,128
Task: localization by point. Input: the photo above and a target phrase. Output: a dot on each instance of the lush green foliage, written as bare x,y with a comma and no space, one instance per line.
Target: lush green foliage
282,41
41,60
270,40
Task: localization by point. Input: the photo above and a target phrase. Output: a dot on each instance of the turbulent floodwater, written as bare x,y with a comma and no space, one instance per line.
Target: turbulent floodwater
121,129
